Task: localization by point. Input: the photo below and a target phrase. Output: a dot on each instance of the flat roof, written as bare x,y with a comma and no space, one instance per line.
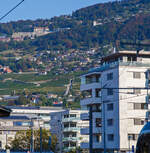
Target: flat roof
125,52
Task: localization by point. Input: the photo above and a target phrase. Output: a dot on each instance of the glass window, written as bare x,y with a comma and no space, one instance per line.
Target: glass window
138,121
98,122
136,75
137,91
133,136
72,115
110,107
98,138
110,76
109,91
110,137
66,116
110,122
19,123
98,92
140,106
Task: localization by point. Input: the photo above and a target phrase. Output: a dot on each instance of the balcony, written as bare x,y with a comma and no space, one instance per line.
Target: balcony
84,145
96,130
88,101
96,145
90,86
71,139
67,149
71,119
71,129
85,131
85,116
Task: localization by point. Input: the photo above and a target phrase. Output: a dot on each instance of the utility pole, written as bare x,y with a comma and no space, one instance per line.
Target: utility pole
104,127
40,139
91,129
32,140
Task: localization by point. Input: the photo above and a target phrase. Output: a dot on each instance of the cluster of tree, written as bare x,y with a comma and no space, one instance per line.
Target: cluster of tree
22,141
18,65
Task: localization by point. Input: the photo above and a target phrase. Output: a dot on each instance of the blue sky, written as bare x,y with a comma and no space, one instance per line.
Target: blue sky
33,9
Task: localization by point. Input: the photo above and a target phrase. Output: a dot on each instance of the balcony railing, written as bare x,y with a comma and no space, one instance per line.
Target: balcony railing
69,148
70,139
85,116
71,129
119,63
71,119
87,101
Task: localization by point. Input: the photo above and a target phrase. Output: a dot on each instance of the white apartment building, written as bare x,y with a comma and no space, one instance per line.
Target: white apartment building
119,102
67,125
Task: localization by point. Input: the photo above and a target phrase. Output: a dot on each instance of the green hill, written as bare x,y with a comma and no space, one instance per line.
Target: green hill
126,19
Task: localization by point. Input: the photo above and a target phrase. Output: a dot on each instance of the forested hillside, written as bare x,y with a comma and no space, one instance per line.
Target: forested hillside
94,26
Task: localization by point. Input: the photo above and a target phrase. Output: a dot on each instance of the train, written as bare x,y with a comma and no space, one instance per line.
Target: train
143,142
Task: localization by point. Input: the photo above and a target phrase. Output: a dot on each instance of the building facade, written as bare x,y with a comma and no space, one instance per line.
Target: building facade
67,125
22,119
10,125
118,97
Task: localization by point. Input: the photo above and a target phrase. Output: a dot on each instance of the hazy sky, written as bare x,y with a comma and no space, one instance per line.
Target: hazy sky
33,9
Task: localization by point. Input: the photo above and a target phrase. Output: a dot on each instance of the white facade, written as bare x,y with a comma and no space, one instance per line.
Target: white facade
66,125
116,93
42,112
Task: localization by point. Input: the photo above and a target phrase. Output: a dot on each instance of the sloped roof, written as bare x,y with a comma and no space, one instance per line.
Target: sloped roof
4,111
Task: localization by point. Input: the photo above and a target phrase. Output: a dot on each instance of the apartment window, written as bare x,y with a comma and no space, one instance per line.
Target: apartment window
72,115
98,138
73,144
133,136
96,108
74,134
98,122
140,106
98,92
110,92
66,116
138,121
109,76
137,91
66,125
66,135
110,137
72,124
110,122
110,107
19,123
136,75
